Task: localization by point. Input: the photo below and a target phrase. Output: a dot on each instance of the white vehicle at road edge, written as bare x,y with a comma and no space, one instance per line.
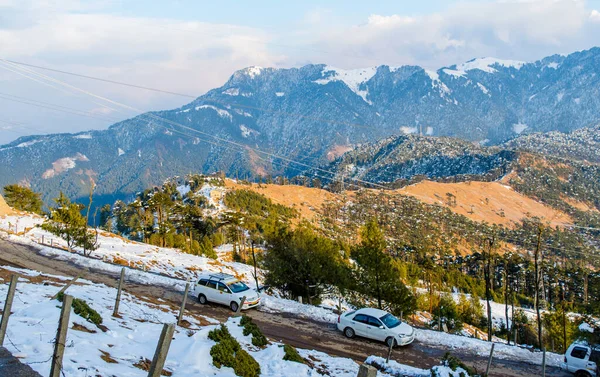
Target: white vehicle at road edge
225,289
376,324
580,359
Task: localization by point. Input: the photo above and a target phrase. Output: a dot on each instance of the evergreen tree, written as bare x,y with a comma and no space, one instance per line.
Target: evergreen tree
375,274
67,222
23,198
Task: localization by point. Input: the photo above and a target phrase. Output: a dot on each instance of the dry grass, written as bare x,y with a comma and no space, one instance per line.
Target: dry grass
307,200
144,364
4,208
106,357
492,202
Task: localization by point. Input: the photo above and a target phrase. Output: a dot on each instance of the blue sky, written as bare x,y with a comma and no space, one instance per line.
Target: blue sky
193,46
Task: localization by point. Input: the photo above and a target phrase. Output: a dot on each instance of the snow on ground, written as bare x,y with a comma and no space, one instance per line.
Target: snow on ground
171,268
482,348
131,338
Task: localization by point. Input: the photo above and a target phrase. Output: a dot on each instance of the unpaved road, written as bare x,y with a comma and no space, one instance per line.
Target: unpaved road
299,332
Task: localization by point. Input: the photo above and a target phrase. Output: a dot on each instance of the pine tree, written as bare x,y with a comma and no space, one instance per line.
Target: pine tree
23,198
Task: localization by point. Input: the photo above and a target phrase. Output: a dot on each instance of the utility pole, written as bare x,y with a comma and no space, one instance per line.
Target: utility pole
537,254
254,263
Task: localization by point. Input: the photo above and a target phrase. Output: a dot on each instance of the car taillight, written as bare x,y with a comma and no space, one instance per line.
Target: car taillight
565,359
339,318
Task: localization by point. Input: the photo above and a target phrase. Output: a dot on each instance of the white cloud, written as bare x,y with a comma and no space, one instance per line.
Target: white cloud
595,16
512,29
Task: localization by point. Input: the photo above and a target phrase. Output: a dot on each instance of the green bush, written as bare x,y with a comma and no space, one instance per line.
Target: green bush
82,309
245,365
228,352
291,354
219,334
454,363
224,353
258,339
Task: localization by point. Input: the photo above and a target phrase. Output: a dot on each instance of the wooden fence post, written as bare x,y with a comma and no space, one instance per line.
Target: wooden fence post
544,362
389,355
8,307
65,287
162,348
366,370
61,337
239,309
489,364
116,311
185,294
300,299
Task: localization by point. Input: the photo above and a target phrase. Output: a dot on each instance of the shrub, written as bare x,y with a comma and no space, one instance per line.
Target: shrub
82,309
245,365
291,354
228,352
258,339
454,363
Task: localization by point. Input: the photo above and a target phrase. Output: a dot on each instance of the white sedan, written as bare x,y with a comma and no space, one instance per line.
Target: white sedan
376,324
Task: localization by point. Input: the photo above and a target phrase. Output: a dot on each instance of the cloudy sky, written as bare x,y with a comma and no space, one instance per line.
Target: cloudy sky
191,46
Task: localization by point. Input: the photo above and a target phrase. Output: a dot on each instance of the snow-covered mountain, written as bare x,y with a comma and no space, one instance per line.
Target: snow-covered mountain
311,114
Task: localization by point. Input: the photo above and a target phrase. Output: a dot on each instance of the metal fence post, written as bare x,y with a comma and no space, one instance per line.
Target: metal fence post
187,288
8,307
116,311
61,337
389,355
544,362
162,348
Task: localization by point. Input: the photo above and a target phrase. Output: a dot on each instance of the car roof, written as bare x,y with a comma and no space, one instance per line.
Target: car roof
224,278
378,313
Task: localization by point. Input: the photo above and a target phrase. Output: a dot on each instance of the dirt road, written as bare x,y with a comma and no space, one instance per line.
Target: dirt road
299,332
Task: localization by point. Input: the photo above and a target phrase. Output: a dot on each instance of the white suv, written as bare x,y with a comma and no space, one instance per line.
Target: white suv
580,359
225,289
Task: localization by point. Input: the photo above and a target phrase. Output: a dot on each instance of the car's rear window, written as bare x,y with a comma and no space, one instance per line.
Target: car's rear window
349,313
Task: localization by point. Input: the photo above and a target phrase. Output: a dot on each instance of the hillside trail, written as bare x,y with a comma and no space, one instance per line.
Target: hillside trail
287,328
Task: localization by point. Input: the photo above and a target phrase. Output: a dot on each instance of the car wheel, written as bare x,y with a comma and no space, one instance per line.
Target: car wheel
582,373
349,332
202,299
390,341
234,306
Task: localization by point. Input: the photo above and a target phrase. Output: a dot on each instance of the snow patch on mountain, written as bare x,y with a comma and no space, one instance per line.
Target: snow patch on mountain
63,164
484,89
486,65
28,143
82,136
222,113
353,79
409,130
253,71
120,152
232,92
518,128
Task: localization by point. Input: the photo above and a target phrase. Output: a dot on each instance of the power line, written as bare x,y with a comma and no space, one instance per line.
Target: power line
209,100
242,146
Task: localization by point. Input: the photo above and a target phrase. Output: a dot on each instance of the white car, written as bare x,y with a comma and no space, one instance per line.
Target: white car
580,359
225,289
376,324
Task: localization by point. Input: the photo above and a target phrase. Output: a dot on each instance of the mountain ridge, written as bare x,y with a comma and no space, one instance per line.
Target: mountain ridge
310,114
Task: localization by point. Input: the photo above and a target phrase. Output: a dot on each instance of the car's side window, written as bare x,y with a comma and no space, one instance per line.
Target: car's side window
361,318
579,352
223,288
202,282
212,284
374,322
